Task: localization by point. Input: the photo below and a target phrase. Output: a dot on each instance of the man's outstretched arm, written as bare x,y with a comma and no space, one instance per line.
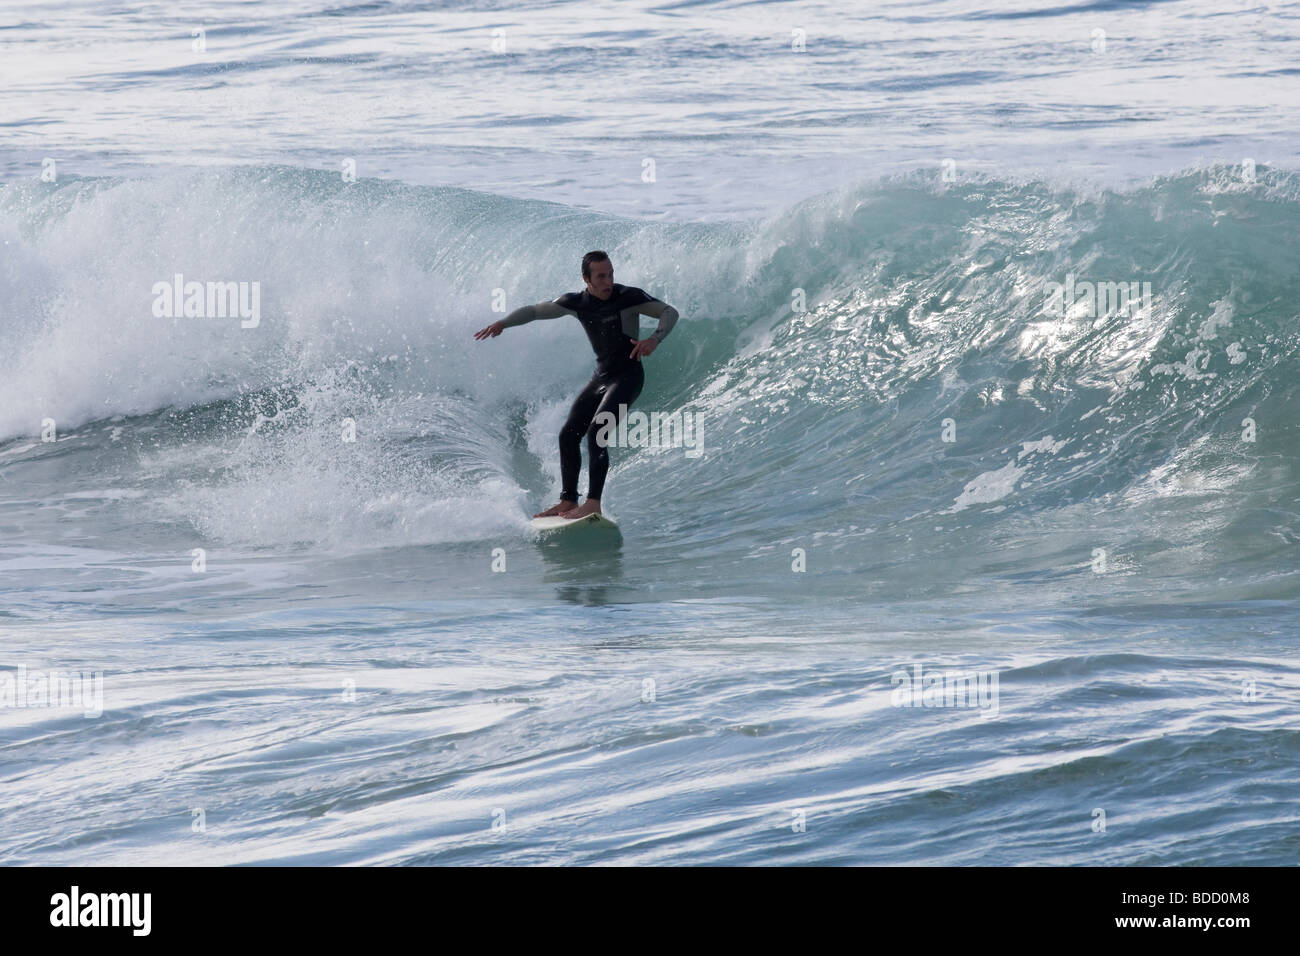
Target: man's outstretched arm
525,313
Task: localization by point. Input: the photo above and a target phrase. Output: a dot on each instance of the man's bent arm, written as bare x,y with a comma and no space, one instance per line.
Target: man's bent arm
662,311
526,313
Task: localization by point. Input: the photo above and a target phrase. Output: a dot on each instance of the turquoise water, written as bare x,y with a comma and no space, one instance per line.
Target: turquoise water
1082,521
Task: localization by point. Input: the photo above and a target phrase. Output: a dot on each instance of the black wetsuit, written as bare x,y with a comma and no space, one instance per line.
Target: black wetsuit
612,326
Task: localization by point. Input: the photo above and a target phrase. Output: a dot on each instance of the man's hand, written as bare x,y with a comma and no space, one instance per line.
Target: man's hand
644,347
496,328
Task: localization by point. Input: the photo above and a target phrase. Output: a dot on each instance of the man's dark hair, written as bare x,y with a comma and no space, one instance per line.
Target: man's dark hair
594,256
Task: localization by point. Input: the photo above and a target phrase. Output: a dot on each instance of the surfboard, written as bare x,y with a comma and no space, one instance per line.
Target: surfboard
554,523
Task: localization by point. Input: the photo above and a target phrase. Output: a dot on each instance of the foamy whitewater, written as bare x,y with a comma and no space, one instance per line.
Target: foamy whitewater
987,553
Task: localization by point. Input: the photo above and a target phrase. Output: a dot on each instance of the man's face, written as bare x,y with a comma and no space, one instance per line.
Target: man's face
601,282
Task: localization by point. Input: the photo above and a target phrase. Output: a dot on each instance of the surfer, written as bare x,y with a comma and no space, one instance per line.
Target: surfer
611,316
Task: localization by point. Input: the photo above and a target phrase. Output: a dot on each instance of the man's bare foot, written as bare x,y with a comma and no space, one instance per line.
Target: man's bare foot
589,507
560,509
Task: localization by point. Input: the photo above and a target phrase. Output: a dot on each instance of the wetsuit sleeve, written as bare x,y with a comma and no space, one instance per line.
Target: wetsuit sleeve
662,311
542,310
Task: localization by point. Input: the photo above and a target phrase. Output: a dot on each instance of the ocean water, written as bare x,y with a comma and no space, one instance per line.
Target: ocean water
976,556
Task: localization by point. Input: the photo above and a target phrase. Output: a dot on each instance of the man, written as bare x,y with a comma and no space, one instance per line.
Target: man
611,316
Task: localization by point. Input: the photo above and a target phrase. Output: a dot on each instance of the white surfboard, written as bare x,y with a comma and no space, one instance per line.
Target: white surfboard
554,523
